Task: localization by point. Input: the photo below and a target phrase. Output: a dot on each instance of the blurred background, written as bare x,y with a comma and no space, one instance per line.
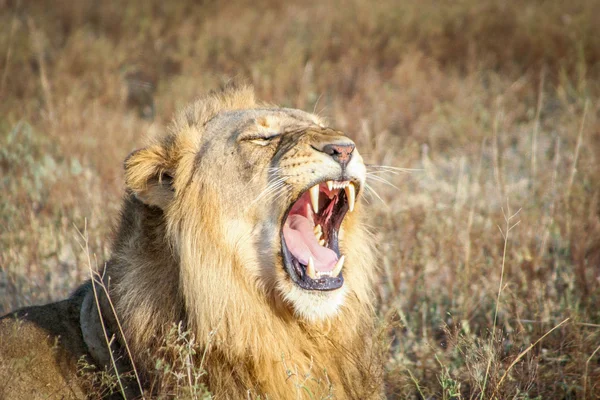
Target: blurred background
481,119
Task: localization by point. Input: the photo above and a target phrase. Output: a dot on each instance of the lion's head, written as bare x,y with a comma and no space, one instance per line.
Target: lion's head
272,192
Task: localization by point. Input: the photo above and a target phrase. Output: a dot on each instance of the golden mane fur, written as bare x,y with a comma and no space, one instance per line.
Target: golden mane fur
198,244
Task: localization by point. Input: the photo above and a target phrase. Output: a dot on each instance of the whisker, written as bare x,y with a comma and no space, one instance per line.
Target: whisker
316,103
389,167
383,171
256,175
283,191
377,178
272,186
271,170
276,191
370,188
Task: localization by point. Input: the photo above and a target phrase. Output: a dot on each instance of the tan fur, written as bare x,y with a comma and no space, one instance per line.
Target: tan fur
199,242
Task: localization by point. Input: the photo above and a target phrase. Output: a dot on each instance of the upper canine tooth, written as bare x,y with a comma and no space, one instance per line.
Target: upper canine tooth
338,266
310,268
350,195
314,198
330,185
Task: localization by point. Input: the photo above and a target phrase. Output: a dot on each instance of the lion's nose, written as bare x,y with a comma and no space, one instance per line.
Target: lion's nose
340,152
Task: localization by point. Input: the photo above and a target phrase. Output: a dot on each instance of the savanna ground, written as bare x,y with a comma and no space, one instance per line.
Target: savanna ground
490,244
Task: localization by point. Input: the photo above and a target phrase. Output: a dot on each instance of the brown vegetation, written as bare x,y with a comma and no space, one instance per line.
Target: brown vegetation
493,104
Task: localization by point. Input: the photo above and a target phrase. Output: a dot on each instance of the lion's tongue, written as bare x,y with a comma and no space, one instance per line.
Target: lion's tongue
302,243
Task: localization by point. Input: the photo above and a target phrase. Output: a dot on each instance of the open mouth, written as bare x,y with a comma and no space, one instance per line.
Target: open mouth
309,236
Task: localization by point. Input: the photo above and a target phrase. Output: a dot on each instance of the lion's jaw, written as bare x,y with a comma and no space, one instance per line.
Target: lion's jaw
316,238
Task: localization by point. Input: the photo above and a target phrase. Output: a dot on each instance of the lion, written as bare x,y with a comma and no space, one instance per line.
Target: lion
244,224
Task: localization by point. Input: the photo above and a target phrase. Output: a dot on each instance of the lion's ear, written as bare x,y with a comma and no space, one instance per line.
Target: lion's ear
149,176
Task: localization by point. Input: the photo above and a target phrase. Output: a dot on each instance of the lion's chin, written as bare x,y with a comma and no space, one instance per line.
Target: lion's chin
314,306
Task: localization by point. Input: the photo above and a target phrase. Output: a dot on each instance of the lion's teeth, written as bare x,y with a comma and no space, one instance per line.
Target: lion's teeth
318,230
314,198
330,185
338,266
322,242
339,185
350,195
310,268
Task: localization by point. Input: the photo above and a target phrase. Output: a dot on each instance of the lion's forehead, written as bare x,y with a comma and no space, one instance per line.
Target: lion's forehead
230,124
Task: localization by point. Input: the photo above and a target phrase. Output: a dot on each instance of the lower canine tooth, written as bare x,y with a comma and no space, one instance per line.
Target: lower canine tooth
314,198
338,267
322,242
350,195
318,232
310,268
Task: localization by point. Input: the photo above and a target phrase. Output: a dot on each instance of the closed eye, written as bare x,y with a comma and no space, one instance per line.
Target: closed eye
263,140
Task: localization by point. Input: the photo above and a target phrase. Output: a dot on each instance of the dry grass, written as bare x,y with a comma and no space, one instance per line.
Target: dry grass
494,104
